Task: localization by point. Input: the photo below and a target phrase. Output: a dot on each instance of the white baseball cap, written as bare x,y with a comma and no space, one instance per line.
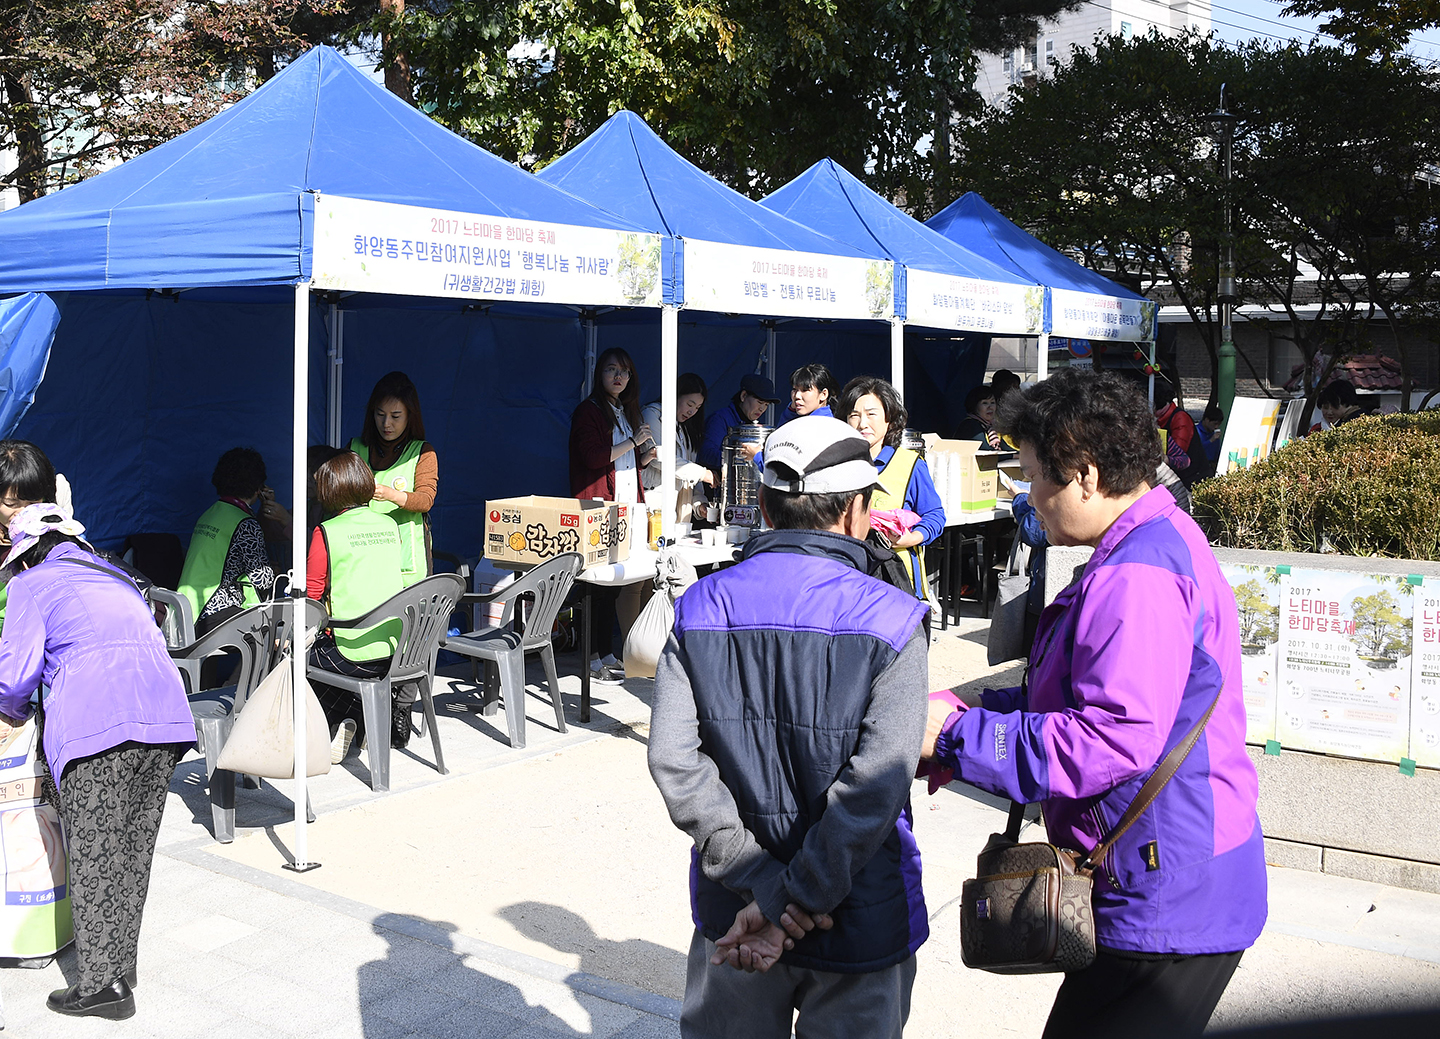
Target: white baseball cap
816,454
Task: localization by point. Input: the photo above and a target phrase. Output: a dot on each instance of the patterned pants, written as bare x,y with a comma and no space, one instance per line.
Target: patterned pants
112,804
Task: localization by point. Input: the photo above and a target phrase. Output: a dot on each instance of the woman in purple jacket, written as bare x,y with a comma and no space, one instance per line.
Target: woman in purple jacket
115,722
1126,660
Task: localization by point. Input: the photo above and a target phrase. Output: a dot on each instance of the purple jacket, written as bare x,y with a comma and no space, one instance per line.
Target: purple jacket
1125,662
93,642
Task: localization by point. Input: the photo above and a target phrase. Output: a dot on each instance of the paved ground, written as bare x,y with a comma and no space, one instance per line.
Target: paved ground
541,892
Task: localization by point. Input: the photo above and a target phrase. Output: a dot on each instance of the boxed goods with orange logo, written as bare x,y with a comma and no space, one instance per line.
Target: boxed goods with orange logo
534,528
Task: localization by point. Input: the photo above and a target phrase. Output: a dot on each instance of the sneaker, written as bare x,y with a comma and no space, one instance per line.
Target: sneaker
399,726
340,745
608,674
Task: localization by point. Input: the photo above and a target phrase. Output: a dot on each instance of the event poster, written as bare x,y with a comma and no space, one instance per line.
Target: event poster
1088,315
972,305
366,246
1345,649
743,279
1257,602
1249,432
1425,669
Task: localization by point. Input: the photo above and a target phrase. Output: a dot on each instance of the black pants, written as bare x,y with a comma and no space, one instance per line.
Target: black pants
111,804
1119,998
340,704
603,620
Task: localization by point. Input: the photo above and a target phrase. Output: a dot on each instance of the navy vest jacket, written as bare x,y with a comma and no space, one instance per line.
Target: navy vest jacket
783,650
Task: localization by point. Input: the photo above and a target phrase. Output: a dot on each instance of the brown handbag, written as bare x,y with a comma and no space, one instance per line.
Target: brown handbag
1028,909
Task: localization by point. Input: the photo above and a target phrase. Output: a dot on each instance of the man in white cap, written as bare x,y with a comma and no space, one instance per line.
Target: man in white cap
790,704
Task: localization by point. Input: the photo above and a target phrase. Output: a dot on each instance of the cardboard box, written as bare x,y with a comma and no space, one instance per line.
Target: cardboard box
964,474
1013,470
535,528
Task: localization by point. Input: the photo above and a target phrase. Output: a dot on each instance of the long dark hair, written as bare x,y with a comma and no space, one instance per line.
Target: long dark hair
26,470
396,386
629,396
36,553
694,427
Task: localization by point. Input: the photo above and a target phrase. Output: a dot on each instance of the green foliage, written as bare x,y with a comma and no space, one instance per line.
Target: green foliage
752,92
1259,618
1368,488
1114,157
1371,26
1380,629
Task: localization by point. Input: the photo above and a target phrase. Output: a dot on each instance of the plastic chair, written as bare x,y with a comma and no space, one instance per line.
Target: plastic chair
179,631
424,611
548,584
250,634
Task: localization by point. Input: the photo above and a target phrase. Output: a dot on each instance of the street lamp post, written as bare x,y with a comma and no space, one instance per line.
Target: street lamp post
1225,294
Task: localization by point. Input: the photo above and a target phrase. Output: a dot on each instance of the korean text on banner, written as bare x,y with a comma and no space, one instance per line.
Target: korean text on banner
1345,655
741,279
947,301
1086,315
368,246
1425,670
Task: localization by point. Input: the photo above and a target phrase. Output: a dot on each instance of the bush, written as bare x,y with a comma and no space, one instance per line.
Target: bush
1368,488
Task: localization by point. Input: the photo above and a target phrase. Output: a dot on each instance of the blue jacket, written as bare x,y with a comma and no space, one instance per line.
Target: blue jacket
716,426
789,703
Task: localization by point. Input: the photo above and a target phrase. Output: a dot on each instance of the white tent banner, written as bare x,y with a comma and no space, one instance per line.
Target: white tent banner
946,301
1086,315
365,246
742,279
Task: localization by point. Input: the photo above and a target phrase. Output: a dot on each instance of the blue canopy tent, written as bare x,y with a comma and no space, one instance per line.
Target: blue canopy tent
1081,304
939,283
189,276
27,328
740,261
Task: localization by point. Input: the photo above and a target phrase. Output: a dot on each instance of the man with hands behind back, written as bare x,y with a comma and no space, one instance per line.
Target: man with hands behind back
790,703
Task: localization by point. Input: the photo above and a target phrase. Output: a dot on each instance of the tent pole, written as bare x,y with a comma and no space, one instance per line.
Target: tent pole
334,422
897,356
772,361
591,342
1152,376
300,438
1042,357
669,384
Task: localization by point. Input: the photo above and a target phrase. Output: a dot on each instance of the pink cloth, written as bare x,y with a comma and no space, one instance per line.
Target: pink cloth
894,523
934,773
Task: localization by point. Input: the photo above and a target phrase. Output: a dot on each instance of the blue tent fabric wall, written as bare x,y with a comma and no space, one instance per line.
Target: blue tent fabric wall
143,396
27,328
497,414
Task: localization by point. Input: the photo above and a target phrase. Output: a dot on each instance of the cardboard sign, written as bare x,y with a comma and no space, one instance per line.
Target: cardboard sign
534,528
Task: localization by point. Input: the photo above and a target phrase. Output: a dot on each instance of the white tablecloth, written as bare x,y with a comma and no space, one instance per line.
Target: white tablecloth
641,566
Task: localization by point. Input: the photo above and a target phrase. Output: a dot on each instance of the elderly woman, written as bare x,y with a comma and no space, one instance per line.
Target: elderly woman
116,722
1126,660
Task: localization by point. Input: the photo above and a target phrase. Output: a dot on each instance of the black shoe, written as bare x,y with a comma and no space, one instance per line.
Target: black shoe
114,1001
399,726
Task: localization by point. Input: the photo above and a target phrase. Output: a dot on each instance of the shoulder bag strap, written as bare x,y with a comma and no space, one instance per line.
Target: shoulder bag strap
1168,767
117,574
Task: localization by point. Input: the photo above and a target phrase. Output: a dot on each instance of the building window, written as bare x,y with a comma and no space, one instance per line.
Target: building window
1049,52
1126,30
1009,63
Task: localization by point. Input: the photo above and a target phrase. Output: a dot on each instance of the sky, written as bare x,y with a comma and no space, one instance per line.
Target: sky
1238,20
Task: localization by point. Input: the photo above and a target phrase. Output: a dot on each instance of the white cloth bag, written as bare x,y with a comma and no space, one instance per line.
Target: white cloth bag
651,629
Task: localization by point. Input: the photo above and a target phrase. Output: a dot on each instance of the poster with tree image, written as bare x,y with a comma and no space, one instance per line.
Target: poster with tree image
1257,602
1425,676
1345,647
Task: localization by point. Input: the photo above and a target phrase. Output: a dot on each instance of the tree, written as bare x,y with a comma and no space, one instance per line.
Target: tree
87,84
1371,26
1258,616
753,92
1380,630
1113,158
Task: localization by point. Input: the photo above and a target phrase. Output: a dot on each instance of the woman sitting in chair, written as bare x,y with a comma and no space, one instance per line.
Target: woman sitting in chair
354,566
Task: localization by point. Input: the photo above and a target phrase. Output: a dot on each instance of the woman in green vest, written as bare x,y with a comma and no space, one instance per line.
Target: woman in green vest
873,407
393,445
226,567
354,565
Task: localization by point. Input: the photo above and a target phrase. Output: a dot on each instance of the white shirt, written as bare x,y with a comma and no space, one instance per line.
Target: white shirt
627,480
687,471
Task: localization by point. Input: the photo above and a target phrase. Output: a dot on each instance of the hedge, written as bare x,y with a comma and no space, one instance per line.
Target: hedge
1368,488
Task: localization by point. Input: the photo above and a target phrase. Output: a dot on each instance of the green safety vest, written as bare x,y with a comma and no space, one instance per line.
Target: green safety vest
205,560
364,550
894,480
401,476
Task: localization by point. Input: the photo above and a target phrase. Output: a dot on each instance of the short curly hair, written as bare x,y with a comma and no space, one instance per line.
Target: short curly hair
1080,417
240,473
